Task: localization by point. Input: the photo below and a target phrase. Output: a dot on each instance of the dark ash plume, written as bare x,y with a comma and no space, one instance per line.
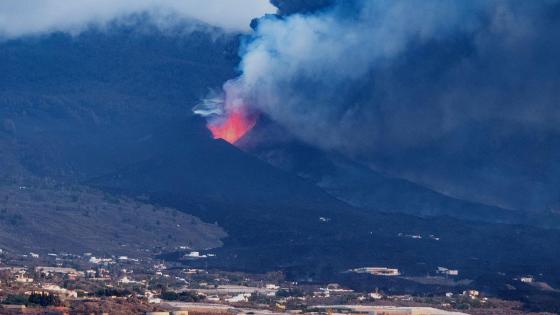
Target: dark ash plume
384,78
365,75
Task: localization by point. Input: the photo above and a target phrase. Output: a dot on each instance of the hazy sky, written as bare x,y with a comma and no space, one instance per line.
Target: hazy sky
41,16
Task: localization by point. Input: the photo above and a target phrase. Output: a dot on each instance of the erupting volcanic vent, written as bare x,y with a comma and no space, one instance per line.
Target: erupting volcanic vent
232,126
227,118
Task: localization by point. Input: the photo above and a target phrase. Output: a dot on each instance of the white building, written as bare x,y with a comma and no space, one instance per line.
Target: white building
527,279
473,294
213,298
378,271
126,280
375,296
95,260
60,291
446,271
46,271
194,254
21,277
384,310
242,297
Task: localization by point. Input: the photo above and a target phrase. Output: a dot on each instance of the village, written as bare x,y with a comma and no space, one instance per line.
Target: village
63,283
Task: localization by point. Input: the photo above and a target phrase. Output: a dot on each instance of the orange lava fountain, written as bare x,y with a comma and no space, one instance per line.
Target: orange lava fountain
234,126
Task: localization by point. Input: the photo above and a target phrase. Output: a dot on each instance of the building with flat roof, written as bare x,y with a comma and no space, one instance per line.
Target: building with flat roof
385,310
378,271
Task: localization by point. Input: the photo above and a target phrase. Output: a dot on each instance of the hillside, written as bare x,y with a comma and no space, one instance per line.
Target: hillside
77,107
490,162
361,186
42,216
198,168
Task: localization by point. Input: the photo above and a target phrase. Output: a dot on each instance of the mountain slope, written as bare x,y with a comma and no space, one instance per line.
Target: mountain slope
45,216
77,107
195,166
492,162
363,187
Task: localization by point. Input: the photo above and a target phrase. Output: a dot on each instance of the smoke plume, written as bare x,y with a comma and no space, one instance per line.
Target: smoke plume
364,76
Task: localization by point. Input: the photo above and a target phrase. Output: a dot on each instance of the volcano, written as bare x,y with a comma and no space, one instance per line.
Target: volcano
232,127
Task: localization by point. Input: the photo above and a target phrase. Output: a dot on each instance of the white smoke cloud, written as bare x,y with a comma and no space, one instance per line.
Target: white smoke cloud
30,17
439,92
299,70
399,72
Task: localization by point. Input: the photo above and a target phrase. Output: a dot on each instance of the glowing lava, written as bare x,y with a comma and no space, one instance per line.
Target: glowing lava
233,126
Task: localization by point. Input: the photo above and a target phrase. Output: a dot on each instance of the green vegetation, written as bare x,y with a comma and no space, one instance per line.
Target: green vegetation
182,296
291,292
44,299
261,299
16,299
41,299
113,292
